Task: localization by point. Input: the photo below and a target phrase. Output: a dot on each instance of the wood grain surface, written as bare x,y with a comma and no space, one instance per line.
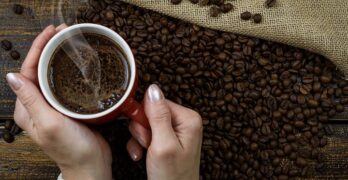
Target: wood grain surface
24,160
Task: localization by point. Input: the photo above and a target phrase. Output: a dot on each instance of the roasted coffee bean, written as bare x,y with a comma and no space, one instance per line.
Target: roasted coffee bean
301,162
287,128
276,162
204,2
270,3
313,103
257,18
15,55
214,11
9,124
253,147
110,15
287,149
325,79
8,137
18,9
6,45
225,8
245,15
175,1
283,177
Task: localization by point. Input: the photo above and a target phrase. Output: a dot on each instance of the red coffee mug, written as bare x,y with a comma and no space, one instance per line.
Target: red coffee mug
126,105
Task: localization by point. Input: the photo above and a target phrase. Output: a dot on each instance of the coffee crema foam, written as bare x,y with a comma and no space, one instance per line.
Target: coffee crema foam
88,73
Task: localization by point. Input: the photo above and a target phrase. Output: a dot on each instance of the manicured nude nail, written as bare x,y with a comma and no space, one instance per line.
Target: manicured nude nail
14,82
155,94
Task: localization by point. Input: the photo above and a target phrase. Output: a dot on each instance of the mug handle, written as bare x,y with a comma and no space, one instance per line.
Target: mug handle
136,112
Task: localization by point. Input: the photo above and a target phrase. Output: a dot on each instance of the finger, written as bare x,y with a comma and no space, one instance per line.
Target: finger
184,116
29,66
187,124
134,149
61,27
29,95
22,118
158,113
142,135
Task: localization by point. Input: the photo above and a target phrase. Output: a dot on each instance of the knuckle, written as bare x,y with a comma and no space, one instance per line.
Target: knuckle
50,128
28,100
196,122
164,152
161,114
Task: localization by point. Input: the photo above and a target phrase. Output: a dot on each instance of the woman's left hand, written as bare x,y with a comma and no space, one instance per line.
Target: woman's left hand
80,152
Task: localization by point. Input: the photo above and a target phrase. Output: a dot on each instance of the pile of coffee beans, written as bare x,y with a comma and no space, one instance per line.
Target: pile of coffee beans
264,105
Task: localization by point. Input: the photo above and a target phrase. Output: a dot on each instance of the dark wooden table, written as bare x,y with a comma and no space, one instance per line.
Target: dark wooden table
24,160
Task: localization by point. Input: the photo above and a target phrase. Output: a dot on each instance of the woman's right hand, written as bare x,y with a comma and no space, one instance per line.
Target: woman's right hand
174,142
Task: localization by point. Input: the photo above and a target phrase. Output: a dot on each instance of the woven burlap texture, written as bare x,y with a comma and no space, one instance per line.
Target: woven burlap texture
320,26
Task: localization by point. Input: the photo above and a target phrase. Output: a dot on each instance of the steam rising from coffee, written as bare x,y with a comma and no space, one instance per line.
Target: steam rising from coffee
88,72
102,76
86,59
84,56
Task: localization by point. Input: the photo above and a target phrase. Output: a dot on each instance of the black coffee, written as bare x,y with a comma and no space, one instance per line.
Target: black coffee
88,73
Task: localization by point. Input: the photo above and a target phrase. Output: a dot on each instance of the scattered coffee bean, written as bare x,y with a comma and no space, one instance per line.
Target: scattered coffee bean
8,137
175,1
245,15
6,45
194,1
15,55
225,8
270,3
257,18
214,11
18,9
9,124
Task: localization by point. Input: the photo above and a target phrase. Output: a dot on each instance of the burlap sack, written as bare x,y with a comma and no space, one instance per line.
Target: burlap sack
320,26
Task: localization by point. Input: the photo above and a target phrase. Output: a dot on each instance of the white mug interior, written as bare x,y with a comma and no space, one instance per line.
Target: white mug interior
64,35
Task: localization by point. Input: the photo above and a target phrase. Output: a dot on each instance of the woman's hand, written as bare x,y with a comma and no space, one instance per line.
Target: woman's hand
79,152
175,149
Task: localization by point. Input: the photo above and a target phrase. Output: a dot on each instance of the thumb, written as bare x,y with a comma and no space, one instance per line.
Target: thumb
159,115
28,94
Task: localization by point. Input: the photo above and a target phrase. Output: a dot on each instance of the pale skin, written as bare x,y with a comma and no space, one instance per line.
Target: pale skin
173,143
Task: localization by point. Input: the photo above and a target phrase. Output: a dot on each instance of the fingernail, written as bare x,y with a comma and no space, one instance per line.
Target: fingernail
155,94
14,82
